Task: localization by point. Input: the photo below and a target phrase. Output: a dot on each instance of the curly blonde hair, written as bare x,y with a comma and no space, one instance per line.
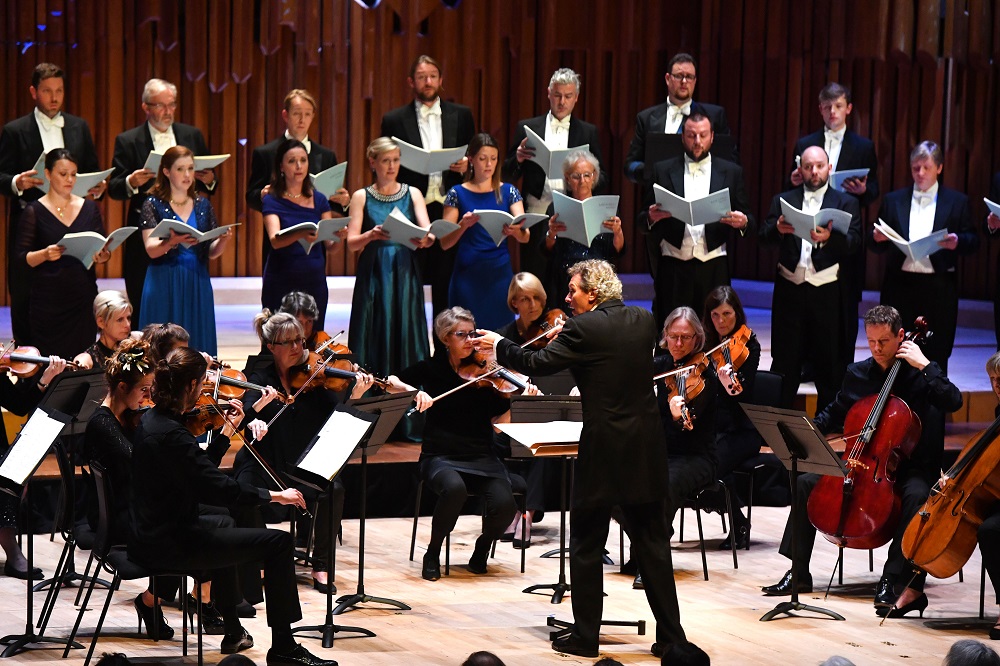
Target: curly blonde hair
597,277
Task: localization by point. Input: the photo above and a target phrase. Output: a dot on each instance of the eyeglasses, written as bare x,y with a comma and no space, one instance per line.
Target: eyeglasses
683,77
156,106
292,342
461,335
577,177
680,338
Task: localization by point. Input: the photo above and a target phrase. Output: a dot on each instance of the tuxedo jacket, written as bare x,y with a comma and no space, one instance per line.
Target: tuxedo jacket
622,457
856,152
951,213
457,129
834,251
669,174
131,150
262,165
580,133
653,120
21,144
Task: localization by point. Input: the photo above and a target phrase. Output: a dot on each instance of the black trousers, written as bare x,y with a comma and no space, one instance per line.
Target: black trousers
806,325
686,283
989,546
453,488
219,551
933,296
647,529
687,475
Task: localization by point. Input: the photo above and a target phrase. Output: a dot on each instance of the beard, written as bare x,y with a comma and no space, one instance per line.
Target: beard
696,159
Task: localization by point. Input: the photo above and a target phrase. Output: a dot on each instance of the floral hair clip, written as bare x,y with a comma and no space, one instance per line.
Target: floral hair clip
136,356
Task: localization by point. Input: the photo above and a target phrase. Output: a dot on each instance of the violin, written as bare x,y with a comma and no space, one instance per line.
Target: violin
733,351
337,375
861,510
232,384
536,332
688,383
477,370
207,414
25,361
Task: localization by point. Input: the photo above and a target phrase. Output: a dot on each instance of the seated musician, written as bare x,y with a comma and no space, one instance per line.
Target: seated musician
457,454
164,338
168,533
289,435
923,387
303,307
736,439
989,531
113,314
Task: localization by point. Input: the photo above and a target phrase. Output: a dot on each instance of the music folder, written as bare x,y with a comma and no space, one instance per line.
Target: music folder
332,446
29,449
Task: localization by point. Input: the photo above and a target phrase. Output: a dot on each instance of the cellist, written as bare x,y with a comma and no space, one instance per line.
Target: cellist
924,387
988,535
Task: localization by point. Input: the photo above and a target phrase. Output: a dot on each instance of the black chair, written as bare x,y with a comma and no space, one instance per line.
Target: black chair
767,392
696,504
519,490
114,560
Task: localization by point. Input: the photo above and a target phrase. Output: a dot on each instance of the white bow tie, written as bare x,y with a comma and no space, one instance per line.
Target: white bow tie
678,112
696,168
813,200
559,125
433,110
49,123
922,199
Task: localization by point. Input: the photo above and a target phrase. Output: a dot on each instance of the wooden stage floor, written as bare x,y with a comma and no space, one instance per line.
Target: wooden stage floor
462,613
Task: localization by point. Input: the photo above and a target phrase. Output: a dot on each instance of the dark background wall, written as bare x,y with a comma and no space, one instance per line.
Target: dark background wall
919,69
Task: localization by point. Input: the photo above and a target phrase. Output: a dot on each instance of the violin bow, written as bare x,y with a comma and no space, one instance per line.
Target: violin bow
319,350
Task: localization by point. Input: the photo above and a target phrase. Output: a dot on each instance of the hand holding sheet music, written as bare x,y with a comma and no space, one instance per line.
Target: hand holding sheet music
837,178
330,181
325,230
401,230
804,223
163,229
494,222
584,220
85,244
550,159
915,250
706,210
427,162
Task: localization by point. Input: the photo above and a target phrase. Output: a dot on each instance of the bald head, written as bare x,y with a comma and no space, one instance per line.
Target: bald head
814,167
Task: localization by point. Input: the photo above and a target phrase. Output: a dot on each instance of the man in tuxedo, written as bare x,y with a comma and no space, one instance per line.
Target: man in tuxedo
298,114
847,151
992,225
690,261
681,76
131,180
22,140
560,129
928,287
806,313
607,346
432,123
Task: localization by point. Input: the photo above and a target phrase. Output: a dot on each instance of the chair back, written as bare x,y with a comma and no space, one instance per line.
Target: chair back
65,512
767,388
102,539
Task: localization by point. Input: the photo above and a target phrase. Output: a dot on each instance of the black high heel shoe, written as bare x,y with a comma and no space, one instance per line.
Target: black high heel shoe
919,604
995,633
145,614
211,619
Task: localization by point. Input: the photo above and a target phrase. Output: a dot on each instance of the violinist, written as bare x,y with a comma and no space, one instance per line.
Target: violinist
303,307
167,531
457,455
924,388
288,436
988,535
20,398
113,314
164,338
736,438
607,346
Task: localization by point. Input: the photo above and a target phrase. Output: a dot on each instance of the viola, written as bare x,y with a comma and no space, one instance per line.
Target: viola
25,361
536,333
861,510
733,351
337,374
232,384
207,414
477,370
941,537
688,383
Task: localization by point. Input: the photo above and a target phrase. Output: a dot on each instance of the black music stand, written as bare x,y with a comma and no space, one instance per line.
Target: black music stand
23,459
795,440
319,464
539,409
390,409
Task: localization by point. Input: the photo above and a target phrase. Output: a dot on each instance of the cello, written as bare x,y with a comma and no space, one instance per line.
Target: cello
861,510
941,537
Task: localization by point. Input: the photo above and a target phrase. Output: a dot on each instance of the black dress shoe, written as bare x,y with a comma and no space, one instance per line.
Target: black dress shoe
297,657
573,645
324,588
919,604
231,644
742,539
995,633
637,583
784,586
150,615
885,596
36,573
245,609
432,567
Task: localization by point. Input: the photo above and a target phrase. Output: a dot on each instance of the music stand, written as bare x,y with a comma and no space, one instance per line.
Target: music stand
23,459
795,440
319,464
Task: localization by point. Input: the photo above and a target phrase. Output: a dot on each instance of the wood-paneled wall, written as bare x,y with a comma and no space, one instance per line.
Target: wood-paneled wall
919,69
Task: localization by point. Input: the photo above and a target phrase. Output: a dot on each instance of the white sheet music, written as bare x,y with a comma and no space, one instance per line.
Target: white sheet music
30,446
338,438
532,435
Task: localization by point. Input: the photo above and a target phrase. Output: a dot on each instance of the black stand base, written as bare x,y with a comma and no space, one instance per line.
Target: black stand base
17,642
67,579
564,628
786,608
329,629
351,600
559,590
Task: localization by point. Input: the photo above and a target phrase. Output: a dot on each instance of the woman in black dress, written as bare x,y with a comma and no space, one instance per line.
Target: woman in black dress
113,314
168,532
62,289
457,455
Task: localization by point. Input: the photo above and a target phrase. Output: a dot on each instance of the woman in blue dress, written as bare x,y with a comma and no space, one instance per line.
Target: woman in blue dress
292,200
177,287
388,329
482,268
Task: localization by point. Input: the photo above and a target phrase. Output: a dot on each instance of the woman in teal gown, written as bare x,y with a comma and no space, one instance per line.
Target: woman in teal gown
388,330
482,268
